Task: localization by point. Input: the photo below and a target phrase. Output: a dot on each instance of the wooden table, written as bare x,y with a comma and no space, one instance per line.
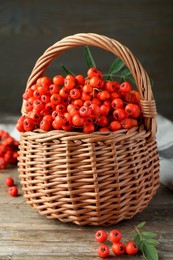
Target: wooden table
25,235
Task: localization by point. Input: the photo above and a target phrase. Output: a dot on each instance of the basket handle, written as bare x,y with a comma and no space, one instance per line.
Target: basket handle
140,76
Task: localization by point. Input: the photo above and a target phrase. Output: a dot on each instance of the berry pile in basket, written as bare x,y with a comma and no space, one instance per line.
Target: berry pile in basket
78,103
94,102
8,150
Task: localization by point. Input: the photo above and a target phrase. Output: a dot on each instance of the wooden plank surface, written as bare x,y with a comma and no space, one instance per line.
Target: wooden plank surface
24,234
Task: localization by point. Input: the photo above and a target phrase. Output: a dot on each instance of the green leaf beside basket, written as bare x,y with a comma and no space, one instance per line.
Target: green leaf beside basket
150,251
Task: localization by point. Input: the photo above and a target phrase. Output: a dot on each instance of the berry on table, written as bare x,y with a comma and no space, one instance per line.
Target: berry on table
115,235
13,191
103,251
9,181
131,248
118,248
101,236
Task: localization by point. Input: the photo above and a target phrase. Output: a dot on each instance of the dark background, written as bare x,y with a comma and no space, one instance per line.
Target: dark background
28,28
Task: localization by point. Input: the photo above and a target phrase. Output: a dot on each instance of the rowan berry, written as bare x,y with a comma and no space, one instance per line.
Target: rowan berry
86,96
78,120
54,89
101,236
96,101
115,235
87,103
55,99
104,110
74,111
119,114
2,163
80,79
85,111
13,191
44,81
59,121
115,125
58,80
104,129
49,108
87,88
125,87
118,248
38,105
134,122
92,72
64,92
43,89
104,94
115,95
131,248
28,124
77,102
88,128
36,94
19,124
34,87
109,86
107,103
70,77
28,106
61,108
102,121
75,93
69,83
45,98
103,251
68,126
96,82
95,109
127,123
9,181
28,93
132,110
45,125
117,103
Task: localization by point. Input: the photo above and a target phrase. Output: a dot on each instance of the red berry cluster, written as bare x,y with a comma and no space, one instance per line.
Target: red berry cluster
118,248
13,190
8,149
76,103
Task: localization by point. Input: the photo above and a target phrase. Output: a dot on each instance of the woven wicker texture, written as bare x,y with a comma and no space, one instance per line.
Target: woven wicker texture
91,179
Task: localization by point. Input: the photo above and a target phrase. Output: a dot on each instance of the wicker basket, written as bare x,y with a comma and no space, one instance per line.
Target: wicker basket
91,179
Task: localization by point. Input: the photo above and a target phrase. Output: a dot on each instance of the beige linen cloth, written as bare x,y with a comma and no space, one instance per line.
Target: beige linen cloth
164,140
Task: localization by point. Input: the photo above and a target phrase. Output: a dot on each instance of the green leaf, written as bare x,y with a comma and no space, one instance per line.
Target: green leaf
152,82
149,251
148,235
126,73
116,66
131,79
141,225
138,241
67,70
153,242
89,58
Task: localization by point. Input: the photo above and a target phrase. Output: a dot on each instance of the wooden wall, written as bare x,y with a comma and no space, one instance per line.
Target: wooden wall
27,28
